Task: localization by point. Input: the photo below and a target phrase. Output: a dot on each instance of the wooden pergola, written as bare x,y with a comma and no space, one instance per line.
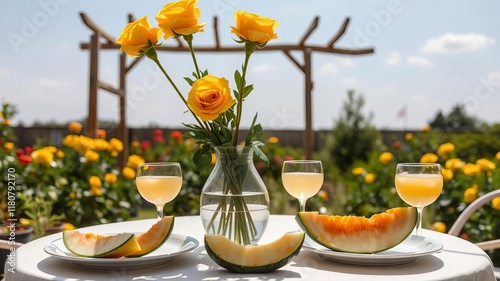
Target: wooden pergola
101,40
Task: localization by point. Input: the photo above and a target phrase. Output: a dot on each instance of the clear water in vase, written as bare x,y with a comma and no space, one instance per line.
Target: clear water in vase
244,224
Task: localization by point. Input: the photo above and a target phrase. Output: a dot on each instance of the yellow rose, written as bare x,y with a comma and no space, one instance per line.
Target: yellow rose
495,203
358,171
69,226
214,159
95,181
128,173
470,169
8,145
101,145
75,127
447,174
439,227
408,136
426,128
115,145
110,178
6,122
274,140
370,178
209,97
60,153
134,160
470,194
135,143
385,158
43,156
254,28
135,37
179,18
445,149
485,165
429,158
95,191
91,156
454,164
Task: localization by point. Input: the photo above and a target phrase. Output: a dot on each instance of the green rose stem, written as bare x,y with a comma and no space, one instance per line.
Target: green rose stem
189,40
151,54
249,49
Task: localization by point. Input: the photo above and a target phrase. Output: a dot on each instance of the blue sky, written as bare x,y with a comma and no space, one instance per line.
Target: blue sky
429,56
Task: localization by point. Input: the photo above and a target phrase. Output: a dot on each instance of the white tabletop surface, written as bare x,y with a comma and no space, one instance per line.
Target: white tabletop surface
459,260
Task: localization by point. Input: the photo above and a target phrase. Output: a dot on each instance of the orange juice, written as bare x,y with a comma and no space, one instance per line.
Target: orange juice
419,190
159,189
302,185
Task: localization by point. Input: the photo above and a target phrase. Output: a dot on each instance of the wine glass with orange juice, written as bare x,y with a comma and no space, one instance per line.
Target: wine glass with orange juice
419,185
302,179
159,183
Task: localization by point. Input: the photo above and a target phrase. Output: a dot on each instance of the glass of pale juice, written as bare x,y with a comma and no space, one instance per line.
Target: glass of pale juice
302,179
419,185
159,183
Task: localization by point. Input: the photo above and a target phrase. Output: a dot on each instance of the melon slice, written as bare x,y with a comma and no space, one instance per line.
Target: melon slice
155,236
355,234
253,258
100,246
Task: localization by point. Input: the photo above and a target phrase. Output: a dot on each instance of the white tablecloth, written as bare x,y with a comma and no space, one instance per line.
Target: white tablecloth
459,260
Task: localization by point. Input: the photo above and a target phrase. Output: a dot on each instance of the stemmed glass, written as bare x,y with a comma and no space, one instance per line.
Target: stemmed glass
302,179
419,184
159,183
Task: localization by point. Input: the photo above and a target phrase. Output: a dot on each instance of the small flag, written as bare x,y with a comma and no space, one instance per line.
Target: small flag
402,112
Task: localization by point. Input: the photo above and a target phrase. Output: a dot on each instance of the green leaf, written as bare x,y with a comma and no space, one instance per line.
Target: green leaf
247,90
237,78
236,94
260,155
203,157
189,80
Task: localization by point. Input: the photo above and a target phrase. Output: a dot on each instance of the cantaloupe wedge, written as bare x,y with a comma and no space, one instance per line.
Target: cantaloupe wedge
155,236
100,246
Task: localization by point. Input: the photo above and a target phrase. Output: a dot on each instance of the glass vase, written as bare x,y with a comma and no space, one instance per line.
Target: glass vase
234,201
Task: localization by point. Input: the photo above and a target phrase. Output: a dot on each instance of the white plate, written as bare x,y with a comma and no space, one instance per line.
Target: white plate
405,252
174,246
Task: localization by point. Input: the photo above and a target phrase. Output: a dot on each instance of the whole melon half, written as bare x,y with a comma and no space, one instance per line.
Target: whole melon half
356,234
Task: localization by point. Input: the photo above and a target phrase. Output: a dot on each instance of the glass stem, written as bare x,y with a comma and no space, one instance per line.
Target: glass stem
302,203
159,212
418,228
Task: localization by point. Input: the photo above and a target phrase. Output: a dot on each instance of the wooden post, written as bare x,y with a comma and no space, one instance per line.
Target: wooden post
93,85
122,127
308,133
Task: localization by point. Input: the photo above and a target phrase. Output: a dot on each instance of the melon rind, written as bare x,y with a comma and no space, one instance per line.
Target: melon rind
376,237
155,236
253,258
100,246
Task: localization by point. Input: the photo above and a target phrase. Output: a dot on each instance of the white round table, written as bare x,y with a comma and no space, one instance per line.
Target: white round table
458,260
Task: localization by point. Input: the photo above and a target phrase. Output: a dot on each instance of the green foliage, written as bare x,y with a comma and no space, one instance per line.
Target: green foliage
353,137
457,119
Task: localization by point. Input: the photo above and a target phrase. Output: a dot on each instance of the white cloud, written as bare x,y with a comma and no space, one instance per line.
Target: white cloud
48,83
415,60
349,82
494,76
265,68
347,62
328,68
394,58
454,42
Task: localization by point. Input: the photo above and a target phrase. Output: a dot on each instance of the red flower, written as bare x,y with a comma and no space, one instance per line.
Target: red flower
158,135
396,145
145,144
19,152
24,159
176,135
28,149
